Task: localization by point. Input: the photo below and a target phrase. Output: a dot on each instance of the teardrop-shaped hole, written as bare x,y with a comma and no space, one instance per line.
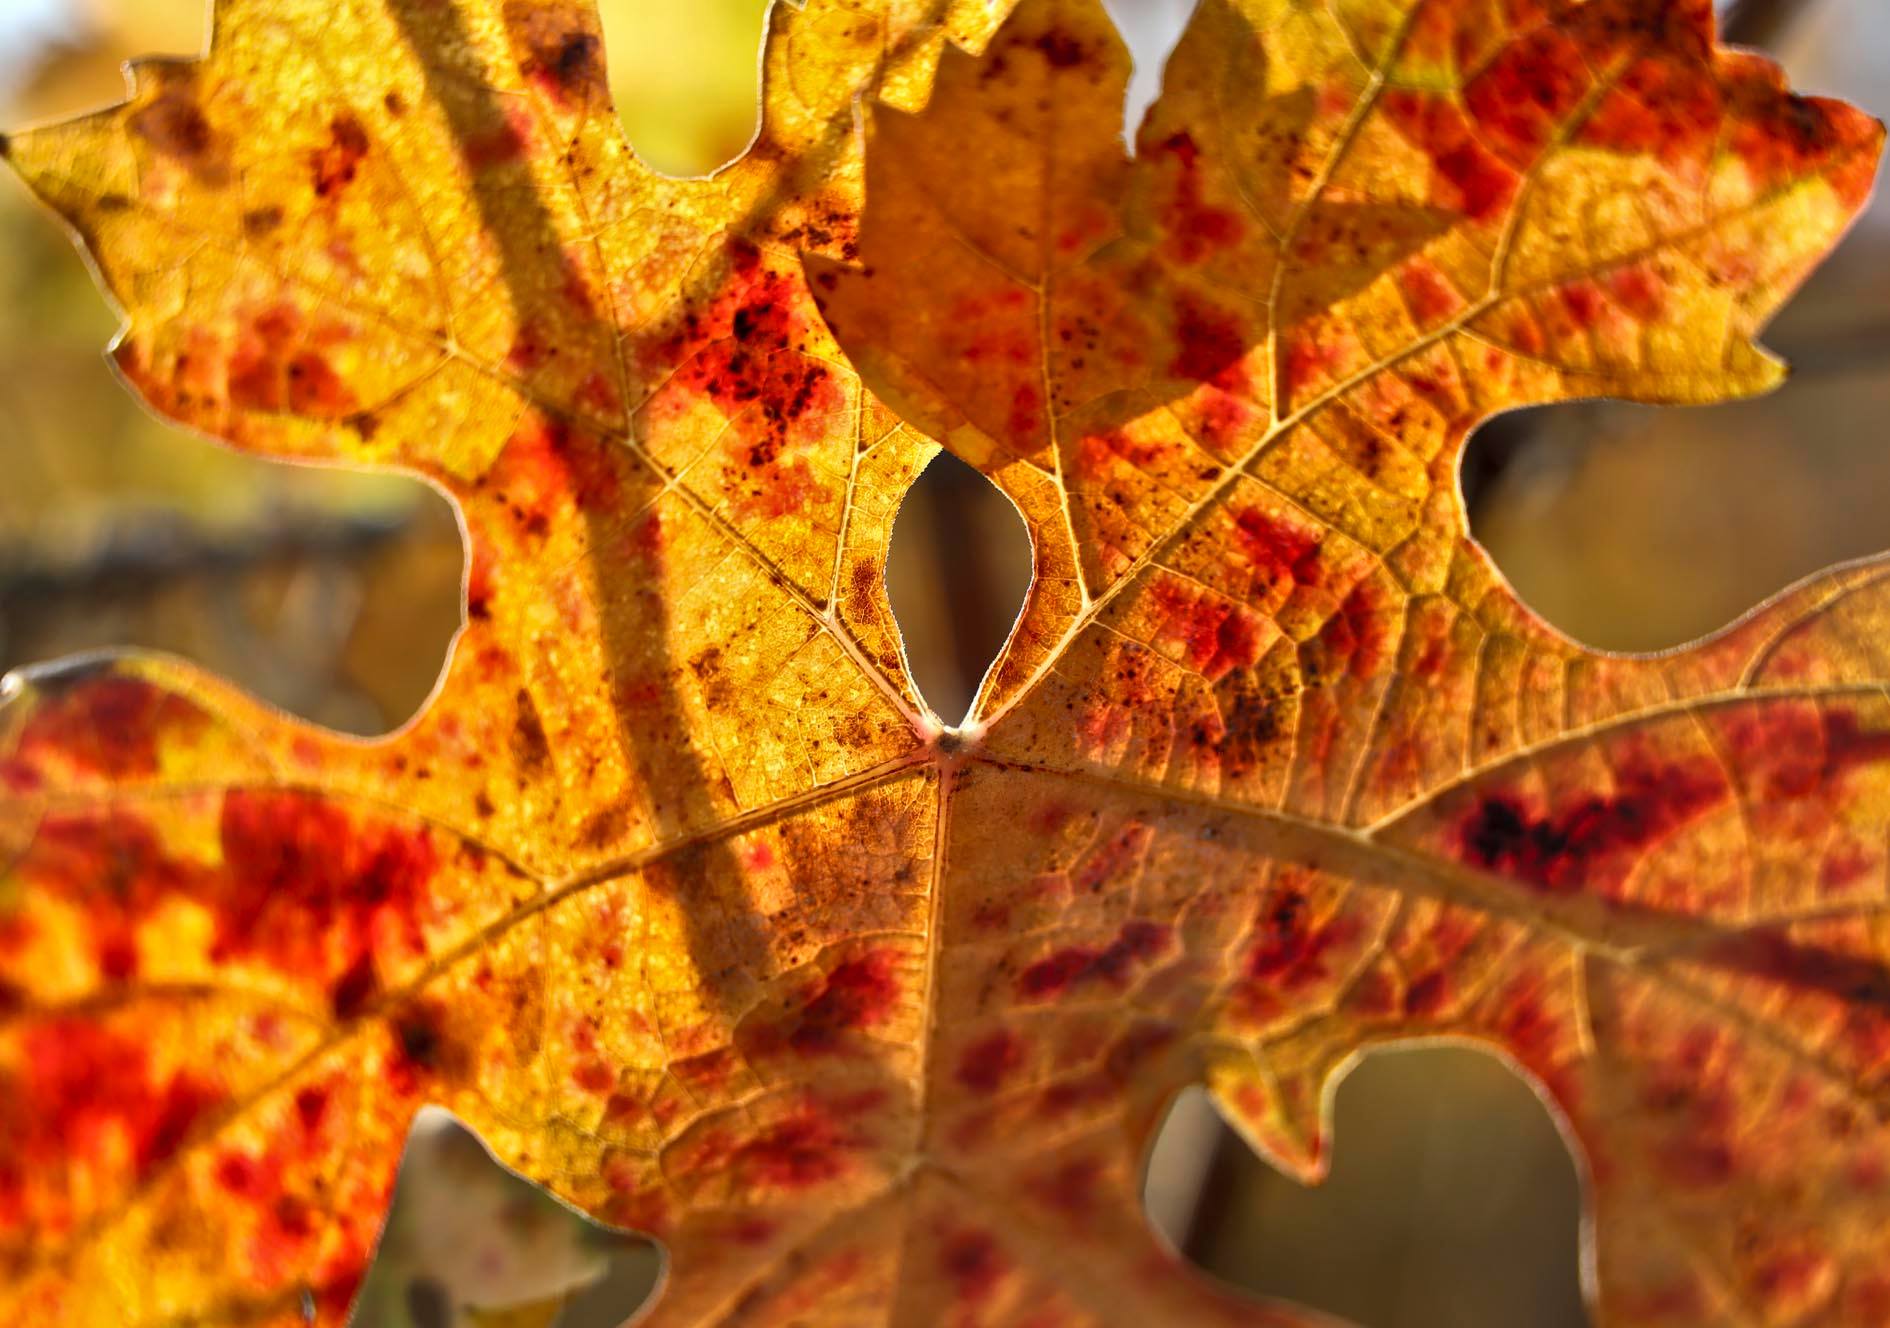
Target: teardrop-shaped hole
957,575
685,79
465,1235
1150,29
1453,1199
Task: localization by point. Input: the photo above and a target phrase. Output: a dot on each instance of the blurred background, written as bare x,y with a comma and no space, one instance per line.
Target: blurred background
1453,1202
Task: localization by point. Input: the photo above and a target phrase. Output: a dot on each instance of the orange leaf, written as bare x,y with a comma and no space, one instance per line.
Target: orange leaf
679,894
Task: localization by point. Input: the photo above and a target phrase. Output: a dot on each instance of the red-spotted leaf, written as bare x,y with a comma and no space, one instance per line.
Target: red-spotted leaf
679,894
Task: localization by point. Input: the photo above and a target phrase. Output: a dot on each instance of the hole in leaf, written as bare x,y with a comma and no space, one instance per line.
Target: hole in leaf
684,78
467,1237
1453,1199
1150,29
1180,1162
334,601
956,576
1641,528
331,594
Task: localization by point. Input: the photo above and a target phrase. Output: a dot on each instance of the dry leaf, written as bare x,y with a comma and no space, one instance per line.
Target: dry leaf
679,894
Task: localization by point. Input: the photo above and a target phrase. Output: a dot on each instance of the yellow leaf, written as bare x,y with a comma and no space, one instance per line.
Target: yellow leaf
677,892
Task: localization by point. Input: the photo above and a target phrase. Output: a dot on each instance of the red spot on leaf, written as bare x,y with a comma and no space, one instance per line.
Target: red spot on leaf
1696,1164
1126,846
1561,851
1216,634
1060,50
111,866
84,1103
1641,290
1138,943
797,1153
335,165
1311,360
1790,1281
1209,342
746,352
1690,1099
1469,178
1024,425
548,462
1051,817
1772,955
748,1230
1290,950
566,65
1129,1055
1357,636
1847,745
285,1222
1193,230
1432,298
858,994
1427,994
1372,995
315,389
972,1263
743,350
1866,1300
1787,754
1536,1038
1583,302
1522,96
311,1108
174,125
780,488
1071,1188
423,1049
1447,32
314,893
479,581
1661,107
1784,138
1098,450
242,1175
985,1065
108,726
529,349
277,366
594,1076
1222,417
1279,549
504,143
355,990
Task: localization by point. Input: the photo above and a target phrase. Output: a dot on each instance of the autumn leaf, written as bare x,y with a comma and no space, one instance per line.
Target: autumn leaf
678,893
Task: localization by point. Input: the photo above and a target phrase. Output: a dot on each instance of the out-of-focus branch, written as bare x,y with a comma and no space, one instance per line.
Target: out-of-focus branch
167,547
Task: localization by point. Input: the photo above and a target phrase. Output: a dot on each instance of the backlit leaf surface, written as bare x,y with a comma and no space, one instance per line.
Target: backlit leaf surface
678,893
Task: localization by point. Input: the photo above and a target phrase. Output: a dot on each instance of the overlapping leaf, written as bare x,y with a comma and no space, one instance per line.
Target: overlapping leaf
679,895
